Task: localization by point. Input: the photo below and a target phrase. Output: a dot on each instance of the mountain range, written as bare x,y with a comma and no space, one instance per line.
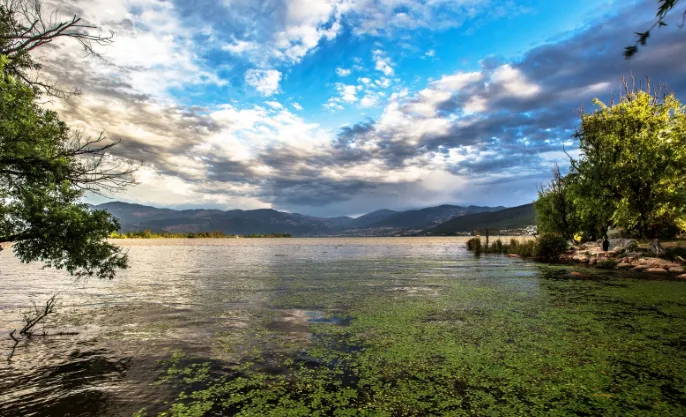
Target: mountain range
434,220
511,218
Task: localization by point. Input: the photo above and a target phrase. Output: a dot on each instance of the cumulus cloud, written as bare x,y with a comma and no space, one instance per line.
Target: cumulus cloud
343,72
265,81
153,52
468,136
382,62
287,30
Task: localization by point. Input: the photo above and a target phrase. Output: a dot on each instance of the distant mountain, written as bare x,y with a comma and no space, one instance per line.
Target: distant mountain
511,218
379,223
137,217
373,217
429,217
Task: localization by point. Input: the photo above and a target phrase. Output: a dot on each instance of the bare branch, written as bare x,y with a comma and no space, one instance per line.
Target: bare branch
23,29
38,315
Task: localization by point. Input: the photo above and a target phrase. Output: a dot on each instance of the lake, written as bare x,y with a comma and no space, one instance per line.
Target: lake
344,327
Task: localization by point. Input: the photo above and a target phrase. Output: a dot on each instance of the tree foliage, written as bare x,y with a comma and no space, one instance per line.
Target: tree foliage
630,172
663,9
45,167
555,211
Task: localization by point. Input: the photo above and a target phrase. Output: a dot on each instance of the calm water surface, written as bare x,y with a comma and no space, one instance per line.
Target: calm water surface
508,336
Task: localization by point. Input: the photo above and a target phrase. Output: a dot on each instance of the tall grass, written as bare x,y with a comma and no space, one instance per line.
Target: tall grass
546,247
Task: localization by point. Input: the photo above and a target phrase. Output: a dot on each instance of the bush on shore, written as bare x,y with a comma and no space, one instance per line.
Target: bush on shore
547,247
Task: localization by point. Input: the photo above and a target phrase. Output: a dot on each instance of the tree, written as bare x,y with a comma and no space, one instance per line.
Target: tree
23,29
633,161
555,211
45,167
663,9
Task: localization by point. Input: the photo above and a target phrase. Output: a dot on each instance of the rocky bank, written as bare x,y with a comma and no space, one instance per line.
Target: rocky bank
623,254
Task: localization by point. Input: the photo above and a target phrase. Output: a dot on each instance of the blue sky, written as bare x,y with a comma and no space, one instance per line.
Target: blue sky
341,107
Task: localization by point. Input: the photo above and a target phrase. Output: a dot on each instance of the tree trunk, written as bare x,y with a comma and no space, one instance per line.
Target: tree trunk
657,248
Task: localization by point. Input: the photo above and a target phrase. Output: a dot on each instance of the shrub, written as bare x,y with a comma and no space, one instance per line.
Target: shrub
474,245
498,246
677,254
550,246
526,249
606,263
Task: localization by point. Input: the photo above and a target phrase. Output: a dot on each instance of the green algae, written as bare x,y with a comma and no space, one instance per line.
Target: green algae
501,342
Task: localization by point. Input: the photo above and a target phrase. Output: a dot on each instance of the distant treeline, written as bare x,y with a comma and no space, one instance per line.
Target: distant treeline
148,234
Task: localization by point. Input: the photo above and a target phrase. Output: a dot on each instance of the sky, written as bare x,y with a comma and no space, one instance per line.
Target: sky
343,107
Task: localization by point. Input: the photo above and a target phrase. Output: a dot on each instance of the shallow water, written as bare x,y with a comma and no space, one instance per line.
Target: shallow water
377,319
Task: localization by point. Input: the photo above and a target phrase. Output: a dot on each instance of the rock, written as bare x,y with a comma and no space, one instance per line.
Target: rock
676,269
581,258
616,233
682,276
591,245
633,254
656,262
656,271
579,275
512,255
593,261
624,265
623,244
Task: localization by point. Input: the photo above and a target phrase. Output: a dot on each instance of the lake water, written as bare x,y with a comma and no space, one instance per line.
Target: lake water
349,326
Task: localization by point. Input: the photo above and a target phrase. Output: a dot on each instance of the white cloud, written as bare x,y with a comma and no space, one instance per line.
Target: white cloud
152,53
264,81
475,104
239,47
297,106
430,53
333,104
457,81
514,82
274,105
383,82
348,93
369,100
382,62
343,72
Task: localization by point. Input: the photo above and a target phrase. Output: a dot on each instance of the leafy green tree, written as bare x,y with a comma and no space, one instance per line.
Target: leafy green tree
663,9
555,211
45,167
633,162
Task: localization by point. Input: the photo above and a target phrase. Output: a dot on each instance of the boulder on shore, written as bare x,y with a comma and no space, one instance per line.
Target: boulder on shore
617,233
621,244
656,271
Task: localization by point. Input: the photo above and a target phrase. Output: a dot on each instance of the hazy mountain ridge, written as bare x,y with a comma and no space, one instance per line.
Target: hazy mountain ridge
378,223
510,218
